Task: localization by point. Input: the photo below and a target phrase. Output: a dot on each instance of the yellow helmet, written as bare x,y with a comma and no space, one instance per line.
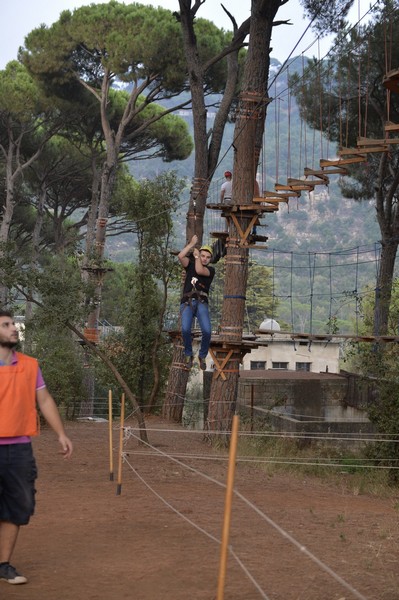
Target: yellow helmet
207,248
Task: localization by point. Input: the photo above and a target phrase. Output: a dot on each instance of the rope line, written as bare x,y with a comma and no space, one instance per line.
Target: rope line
266,518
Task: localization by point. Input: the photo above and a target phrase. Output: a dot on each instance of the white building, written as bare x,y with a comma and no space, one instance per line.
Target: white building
278,350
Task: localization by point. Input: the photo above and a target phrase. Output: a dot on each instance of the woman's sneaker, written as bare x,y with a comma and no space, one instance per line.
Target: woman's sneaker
9,573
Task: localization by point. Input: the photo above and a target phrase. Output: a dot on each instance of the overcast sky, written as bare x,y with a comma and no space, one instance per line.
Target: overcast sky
19,17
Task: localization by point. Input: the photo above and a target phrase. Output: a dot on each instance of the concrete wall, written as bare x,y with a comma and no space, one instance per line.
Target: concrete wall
306,404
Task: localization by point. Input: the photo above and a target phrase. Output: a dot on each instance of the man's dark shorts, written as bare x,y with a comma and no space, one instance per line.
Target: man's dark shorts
18,473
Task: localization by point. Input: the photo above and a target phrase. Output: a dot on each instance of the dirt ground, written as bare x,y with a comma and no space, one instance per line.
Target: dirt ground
294,538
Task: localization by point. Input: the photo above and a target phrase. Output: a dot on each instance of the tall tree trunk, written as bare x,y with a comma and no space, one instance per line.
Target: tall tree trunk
204,167
249,129
388,221
383,289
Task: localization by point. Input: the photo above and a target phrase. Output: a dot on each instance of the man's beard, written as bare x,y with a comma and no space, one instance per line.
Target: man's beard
10,345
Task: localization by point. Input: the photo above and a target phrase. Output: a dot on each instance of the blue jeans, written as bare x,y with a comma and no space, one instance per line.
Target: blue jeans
187,313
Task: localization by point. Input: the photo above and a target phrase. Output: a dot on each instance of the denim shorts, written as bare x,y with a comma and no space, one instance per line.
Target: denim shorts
18,473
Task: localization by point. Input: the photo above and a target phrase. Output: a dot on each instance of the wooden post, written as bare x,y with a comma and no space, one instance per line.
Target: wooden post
252,407
119,484
227,512
111,460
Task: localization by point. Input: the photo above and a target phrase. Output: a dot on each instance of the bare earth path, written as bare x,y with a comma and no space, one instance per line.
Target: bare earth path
87,543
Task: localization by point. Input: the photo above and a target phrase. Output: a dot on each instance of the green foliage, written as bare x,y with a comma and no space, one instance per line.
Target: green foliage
384,413
133,41
379,362
131,350
19,93
60,358
327,16
140,350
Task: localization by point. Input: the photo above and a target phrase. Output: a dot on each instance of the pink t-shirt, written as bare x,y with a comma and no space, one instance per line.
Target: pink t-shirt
39,385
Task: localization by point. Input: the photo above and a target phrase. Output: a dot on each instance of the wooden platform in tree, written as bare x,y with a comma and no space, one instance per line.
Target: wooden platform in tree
221,235
229,208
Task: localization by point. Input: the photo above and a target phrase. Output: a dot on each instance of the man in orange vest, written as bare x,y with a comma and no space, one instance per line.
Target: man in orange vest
22,388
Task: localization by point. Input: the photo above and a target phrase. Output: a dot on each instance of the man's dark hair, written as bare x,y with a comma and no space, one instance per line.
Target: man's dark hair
6,313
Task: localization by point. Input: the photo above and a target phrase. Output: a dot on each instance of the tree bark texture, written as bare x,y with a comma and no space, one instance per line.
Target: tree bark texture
388,221
177,384
383,290
248,131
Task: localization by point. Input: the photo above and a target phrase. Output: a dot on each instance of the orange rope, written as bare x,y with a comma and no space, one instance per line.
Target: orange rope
367,88
289,124
303,125
321,100
276,129
348,103
359,97
340,105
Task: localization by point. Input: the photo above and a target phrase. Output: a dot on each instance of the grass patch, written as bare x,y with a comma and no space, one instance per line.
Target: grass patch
278,453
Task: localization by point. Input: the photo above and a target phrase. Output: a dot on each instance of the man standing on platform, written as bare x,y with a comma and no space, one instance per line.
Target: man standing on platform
226,189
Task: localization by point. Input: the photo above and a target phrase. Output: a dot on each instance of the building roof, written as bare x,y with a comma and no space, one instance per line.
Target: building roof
286,374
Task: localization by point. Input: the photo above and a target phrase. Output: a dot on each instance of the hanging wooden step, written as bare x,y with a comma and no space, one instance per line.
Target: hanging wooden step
347,156
391,81
371,145
320,179
319,174
331,171
300,185
287,190
389,126
272,197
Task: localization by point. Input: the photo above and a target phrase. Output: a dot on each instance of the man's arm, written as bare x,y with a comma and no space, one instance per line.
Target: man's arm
182,256
199,267
50,412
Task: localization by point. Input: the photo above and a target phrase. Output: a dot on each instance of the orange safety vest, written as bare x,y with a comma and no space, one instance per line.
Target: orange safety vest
18,414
